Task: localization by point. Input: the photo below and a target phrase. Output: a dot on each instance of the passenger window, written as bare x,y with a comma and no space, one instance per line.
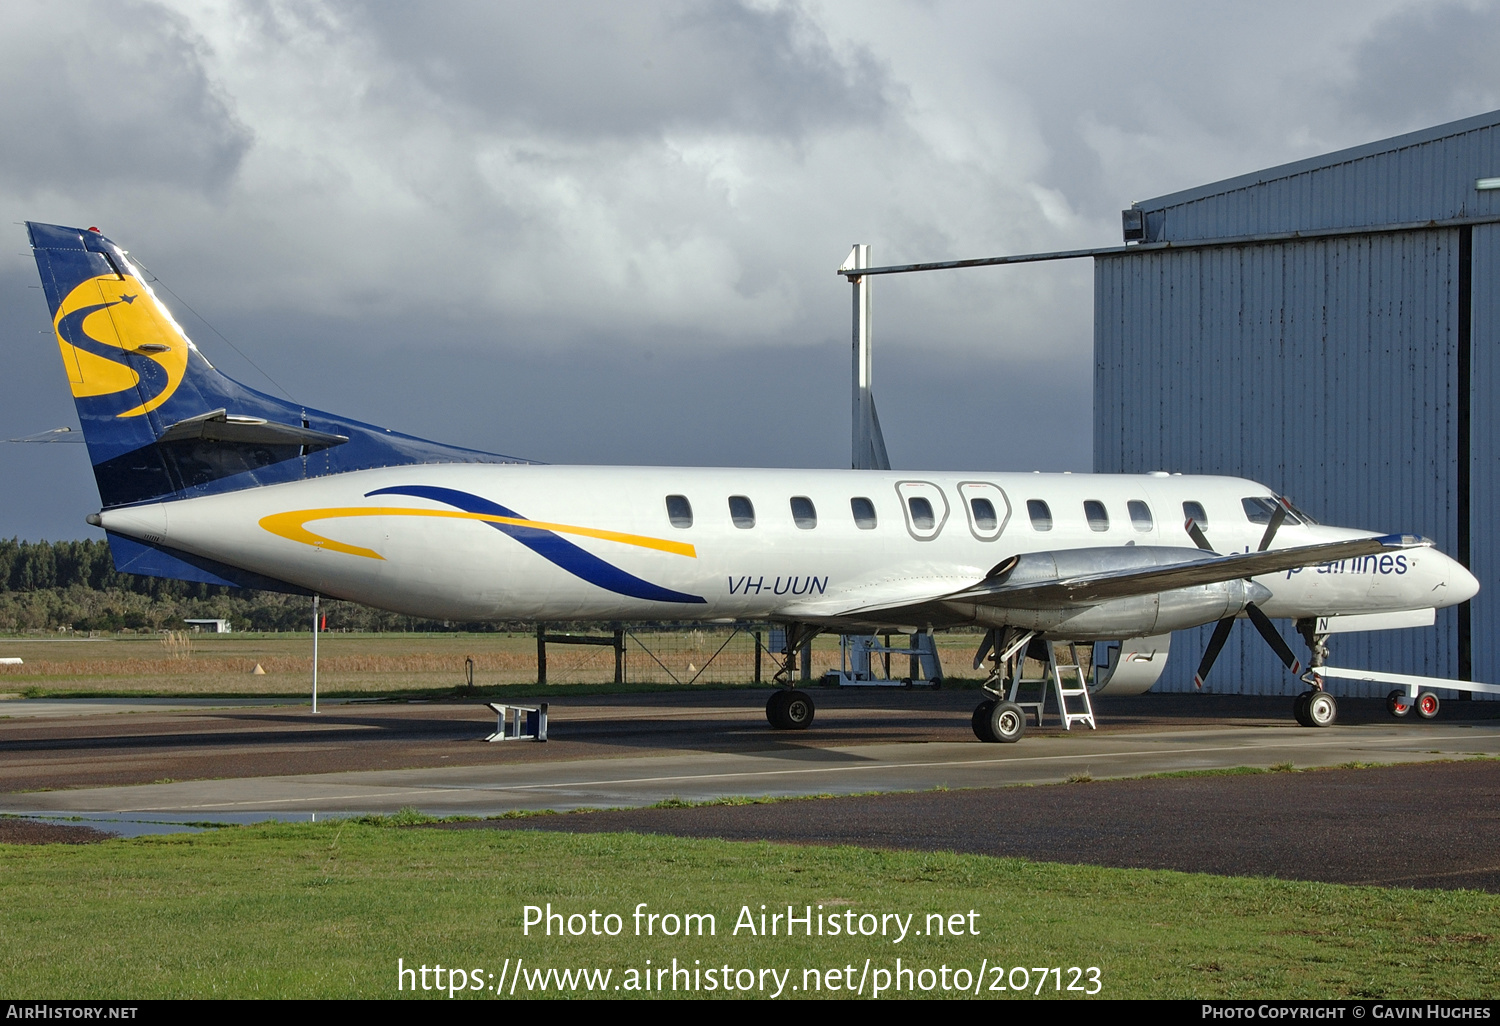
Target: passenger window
679,511
741,511
922,517
1140,514
1194,511
1040,513
1096,514
984,514
864,514
804,514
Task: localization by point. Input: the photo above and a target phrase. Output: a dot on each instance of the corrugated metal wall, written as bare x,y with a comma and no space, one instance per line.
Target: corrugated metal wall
1424,176
1485,455
1325,369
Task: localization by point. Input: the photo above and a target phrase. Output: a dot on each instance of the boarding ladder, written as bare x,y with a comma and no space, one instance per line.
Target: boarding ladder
1035,702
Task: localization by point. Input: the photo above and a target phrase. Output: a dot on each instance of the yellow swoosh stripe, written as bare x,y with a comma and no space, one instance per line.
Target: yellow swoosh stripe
290,525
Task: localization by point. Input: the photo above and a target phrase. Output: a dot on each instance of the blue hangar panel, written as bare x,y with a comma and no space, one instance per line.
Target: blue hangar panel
1485,457
1330,328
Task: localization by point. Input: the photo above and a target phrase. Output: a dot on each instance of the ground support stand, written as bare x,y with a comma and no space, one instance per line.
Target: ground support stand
526,722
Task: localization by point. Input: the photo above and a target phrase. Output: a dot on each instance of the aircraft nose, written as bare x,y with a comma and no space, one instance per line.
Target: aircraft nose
1461,585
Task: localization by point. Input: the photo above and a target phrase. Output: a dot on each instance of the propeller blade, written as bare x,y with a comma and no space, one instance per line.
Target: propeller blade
1277,519
1273,637
984,647
1215,643
1196,533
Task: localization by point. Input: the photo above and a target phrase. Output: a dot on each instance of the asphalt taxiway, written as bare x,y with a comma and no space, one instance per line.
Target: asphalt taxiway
632,751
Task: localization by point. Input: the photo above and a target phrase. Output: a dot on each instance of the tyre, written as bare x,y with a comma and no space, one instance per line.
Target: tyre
776,710
981,721
797,711
1322,710
1398,704
1007,722
1427,705
1299,708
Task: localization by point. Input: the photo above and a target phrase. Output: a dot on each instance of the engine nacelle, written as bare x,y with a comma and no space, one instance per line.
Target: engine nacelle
1134,616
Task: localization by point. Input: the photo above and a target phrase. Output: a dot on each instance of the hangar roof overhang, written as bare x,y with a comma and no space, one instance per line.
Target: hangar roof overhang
1440,177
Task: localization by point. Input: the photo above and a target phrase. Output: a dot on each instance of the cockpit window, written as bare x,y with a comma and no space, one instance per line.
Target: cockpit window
1260,509
679,511
1297,511
1040,513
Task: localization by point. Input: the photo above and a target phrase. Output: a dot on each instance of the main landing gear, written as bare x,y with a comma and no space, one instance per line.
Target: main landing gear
790,708
999,719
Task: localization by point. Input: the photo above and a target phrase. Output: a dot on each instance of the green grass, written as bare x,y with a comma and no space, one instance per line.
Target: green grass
326,911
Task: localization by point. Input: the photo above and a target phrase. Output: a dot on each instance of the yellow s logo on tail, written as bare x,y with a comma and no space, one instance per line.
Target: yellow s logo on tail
115,337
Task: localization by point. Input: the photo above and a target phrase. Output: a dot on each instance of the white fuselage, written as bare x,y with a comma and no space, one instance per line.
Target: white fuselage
418,555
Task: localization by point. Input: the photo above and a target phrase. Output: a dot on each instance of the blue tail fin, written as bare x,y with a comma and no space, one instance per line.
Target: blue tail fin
159,420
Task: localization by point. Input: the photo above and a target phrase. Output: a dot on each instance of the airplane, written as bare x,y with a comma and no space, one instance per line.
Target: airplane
204,479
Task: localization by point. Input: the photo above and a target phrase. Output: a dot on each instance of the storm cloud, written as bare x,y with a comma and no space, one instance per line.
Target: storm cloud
602,232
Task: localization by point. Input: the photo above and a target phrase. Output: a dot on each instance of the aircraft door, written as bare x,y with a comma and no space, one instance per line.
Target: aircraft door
925,507
986,507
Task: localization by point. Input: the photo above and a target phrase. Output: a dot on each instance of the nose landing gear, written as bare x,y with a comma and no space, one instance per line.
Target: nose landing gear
1314,708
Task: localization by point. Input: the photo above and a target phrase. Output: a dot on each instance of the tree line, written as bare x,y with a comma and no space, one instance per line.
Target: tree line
73,585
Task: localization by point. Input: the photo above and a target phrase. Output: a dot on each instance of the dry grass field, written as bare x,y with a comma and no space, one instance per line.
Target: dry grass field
224,664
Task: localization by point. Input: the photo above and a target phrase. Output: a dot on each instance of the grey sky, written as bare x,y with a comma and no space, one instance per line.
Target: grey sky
602,232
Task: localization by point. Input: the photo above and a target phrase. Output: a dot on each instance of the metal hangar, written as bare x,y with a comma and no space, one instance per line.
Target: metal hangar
1330,328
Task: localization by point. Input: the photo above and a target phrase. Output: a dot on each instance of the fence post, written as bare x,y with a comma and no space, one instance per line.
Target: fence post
619,655
541,653
757,656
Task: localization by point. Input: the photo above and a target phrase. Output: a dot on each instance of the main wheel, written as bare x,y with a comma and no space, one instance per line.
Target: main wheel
1427,705
981,720
797,712
1299,708
776,709
1322,710
1007,722
1397,703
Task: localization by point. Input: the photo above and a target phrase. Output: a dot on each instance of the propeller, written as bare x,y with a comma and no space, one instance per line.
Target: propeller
1261,621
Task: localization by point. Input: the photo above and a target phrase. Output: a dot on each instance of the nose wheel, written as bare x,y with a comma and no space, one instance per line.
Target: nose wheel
1315,709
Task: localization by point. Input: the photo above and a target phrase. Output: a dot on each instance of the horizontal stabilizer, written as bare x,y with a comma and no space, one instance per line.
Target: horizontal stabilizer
220,426
132,556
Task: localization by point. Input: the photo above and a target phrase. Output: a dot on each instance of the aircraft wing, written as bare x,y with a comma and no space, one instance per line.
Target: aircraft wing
1209,568
932,601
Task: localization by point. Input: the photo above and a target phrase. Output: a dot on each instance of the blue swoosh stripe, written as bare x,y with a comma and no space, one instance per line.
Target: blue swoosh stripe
576,561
